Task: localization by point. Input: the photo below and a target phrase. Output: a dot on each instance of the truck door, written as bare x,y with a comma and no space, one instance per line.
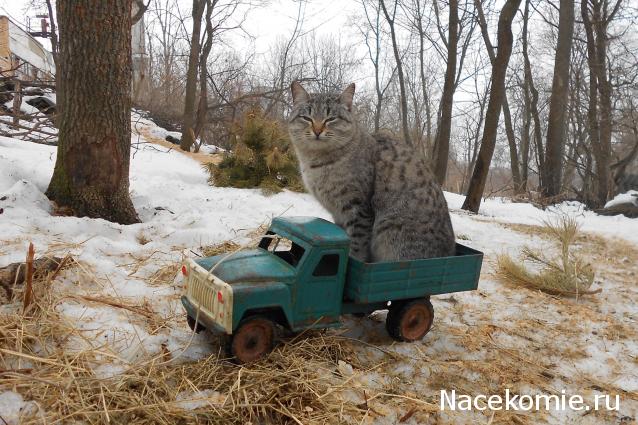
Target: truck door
319,290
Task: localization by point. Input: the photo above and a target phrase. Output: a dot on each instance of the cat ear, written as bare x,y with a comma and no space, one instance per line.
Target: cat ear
299,94
347,95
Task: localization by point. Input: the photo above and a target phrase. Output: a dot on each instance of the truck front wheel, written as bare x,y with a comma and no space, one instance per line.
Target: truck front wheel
252,340
410,320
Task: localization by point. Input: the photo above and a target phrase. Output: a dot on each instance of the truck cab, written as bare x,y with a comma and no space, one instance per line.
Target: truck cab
316,252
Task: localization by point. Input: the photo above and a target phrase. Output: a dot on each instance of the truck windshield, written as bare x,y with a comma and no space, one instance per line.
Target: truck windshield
283,248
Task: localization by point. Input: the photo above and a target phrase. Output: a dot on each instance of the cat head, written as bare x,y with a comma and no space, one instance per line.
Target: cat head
321,121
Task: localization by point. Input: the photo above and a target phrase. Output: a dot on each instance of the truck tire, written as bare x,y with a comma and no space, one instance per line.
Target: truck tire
195,326
410,320
252,340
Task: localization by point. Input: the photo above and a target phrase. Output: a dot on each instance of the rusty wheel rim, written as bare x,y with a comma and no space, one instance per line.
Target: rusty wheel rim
253,340
416,322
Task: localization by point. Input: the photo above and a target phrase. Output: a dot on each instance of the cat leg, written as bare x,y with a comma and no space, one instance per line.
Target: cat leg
358,224
386,242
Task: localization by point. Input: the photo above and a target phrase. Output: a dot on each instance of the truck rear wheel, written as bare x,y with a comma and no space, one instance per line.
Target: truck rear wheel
410,320
253,339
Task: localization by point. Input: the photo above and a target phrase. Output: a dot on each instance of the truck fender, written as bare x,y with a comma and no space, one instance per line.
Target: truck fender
274,313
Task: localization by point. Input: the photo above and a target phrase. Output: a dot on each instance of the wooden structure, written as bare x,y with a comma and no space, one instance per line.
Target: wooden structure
21,55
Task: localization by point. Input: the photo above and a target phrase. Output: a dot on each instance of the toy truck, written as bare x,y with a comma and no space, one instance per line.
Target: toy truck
300,276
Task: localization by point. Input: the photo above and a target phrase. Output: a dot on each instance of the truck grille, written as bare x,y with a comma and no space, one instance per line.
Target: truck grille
203,289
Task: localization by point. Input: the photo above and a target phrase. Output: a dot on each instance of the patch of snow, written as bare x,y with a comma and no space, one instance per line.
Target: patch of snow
505,211
210,149
189,400
13,408
630,197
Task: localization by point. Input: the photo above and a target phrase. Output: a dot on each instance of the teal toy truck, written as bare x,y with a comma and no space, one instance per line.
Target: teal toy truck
300,276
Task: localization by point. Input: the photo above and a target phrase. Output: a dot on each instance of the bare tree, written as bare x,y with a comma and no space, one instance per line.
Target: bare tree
188,120
443,129
202,107
372,33
390,18
166,41
556,129
531,99
507,116
140,8
416,10
499,69
597,16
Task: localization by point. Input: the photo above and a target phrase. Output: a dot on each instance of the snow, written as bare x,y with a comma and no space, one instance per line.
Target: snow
181,212
630,197
192,401
11,407
210,149
24,106
505,211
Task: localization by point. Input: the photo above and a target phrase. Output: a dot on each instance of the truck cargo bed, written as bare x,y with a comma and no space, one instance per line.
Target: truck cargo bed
387,281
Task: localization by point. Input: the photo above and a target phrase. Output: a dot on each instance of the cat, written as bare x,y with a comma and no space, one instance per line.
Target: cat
379,190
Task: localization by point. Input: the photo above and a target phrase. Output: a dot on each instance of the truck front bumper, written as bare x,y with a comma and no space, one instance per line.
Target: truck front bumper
203,318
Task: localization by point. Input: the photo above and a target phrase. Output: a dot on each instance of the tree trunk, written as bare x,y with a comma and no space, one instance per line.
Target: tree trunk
397,58
499,70
603,160
525,142
533,100
444,127
556,130
507,116
599,107
188,119
202,107
425,91
91,174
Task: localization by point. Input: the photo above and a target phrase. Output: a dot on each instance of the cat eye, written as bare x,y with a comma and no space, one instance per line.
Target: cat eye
305,118
330,119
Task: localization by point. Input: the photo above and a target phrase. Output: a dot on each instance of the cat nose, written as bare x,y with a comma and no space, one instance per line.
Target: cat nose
316,130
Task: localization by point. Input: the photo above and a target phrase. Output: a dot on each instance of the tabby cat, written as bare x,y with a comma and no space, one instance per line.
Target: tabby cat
377,188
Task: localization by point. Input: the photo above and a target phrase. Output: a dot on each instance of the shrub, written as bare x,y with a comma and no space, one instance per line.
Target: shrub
570,275
262,156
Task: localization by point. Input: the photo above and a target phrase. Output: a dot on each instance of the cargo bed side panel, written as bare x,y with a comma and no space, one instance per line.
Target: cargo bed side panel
378,282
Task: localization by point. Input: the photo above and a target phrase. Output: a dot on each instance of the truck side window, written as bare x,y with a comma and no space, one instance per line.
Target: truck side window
328,265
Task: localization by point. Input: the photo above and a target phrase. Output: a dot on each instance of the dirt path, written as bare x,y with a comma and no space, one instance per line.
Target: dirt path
201,157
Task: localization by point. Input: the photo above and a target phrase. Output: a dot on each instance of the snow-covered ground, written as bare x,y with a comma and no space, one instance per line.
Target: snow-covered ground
495,338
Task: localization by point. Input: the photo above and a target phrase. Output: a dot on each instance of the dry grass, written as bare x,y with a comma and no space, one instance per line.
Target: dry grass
164,275
221,248
567,276
254,236
142,238
298,383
